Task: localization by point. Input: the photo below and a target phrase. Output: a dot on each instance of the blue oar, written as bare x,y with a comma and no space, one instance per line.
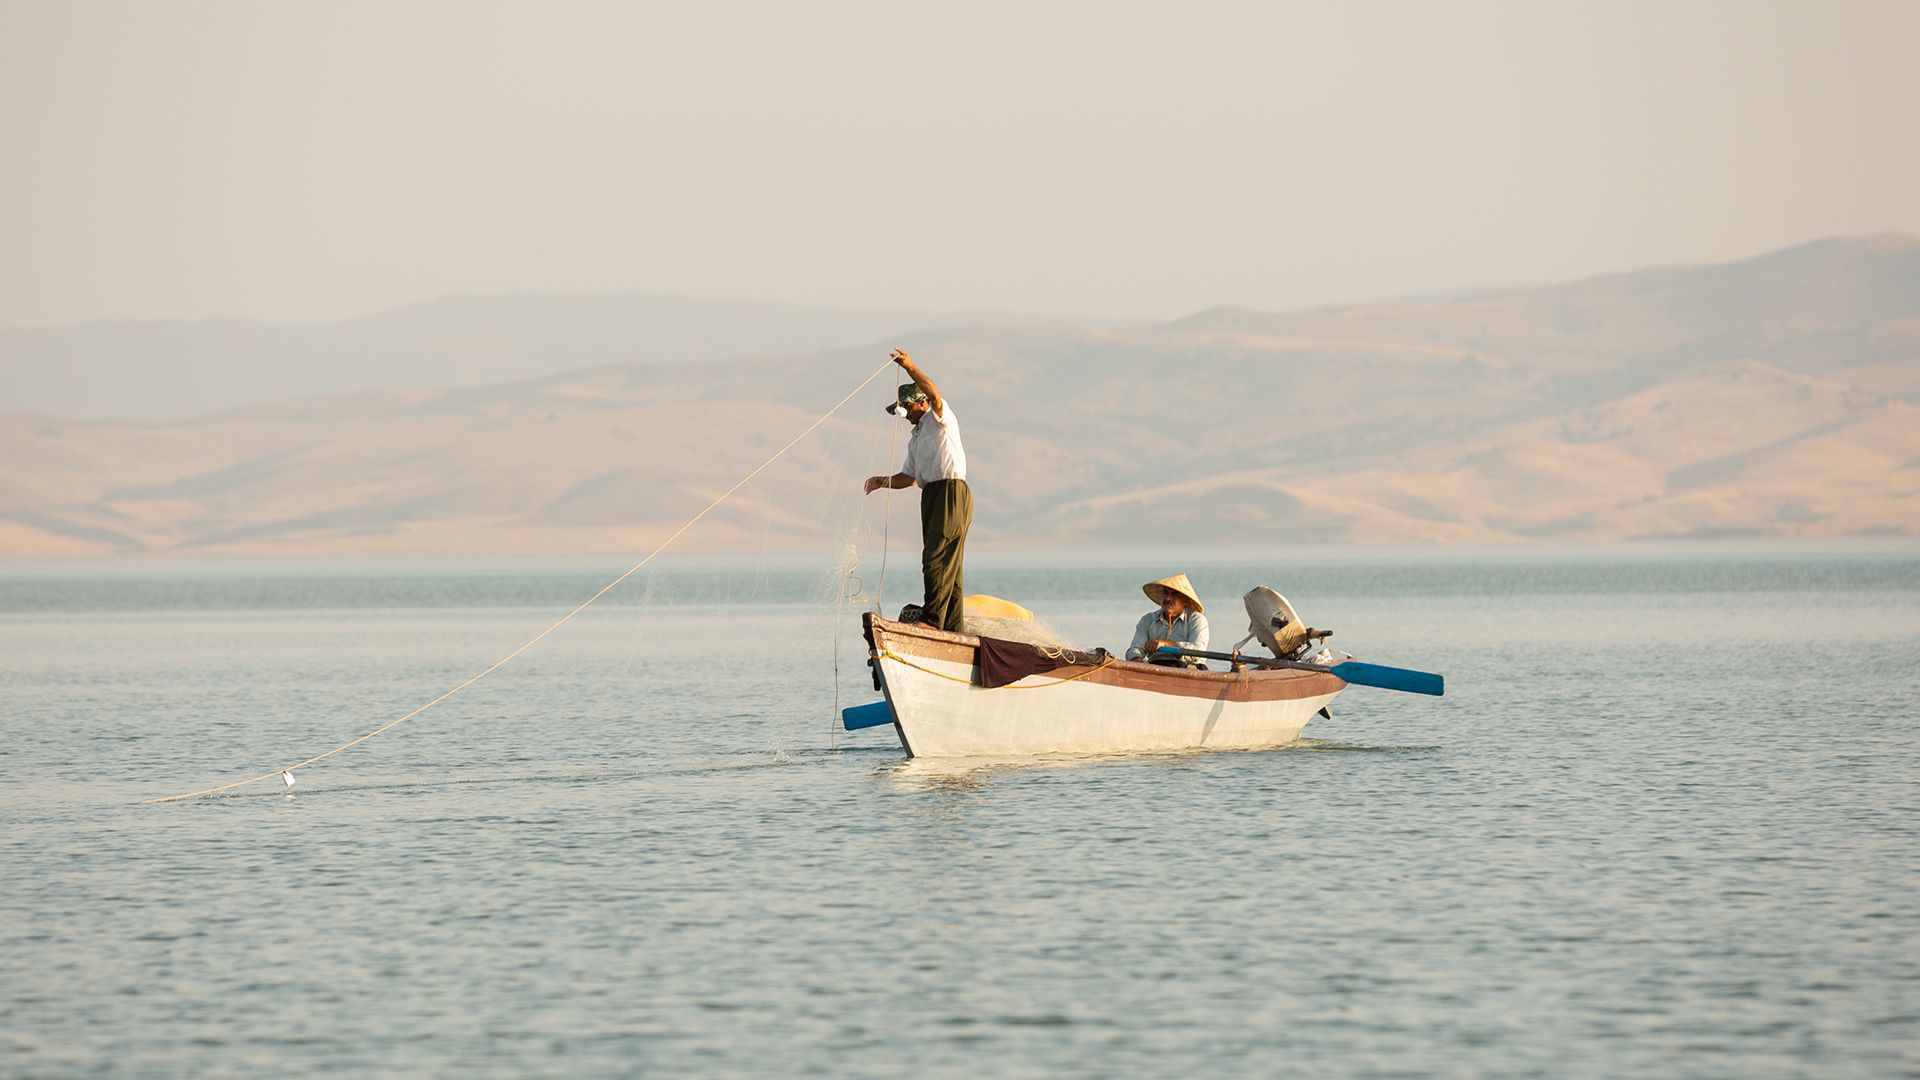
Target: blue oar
1359,674
866,716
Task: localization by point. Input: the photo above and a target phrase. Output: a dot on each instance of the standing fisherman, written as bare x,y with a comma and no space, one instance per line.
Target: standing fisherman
936,461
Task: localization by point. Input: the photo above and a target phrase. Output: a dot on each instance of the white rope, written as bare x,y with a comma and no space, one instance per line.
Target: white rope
563,620
886,523
851,589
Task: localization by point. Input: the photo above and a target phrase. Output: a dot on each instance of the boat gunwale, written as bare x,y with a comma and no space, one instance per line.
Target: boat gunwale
1251,684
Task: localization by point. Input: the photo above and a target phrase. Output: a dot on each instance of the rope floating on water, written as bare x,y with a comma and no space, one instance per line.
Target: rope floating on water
537,638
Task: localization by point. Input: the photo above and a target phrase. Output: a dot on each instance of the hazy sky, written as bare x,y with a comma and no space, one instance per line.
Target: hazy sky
311,161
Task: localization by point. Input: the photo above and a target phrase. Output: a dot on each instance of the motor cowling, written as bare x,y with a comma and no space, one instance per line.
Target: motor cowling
1272,619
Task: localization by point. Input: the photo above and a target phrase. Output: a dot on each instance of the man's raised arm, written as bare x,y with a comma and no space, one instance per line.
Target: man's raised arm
920,380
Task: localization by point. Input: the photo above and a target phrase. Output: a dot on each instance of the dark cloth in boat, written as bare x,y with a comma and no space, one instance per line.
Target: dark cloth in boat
1002,661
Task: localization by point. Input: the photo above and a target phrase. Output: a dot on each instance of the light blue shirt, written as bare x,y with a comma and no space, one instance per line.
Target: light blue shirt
1189,631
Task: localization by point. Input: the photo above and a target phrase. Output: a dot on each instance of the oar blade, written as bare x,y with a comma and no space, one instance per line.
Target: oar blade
866,716
1391,678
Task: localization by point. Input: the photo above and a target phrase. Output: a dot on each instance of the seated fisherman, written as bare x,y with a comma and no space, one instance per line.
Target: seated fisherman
1177,622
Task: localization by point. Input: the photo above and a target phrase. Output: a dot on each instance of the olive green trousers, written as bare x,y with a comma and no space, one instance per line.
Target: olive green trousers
946,511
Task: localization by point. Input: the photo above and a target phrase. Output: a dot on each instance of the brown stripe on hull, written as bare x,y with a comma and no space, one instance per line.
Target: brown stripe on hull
916,642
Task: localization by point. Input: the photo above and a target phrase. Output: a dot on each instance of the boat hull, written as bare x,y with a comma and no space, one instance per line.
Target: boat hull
931,681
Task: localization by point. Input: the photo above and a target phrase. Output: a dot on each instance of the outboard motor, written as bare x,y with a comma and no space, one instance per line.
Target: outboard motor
1272,619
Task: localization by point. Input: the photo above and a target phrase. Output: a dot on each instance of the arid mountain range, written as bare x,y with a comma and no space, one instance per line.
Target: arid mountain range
1774,397
177,370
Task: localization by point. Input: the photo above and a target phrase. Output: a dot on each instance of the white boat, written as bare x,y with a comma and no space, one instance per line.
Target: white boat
1093,703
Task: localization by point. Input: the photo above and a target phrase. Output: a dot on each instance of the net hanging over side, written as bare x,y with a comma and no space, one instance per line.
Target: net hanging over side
285,772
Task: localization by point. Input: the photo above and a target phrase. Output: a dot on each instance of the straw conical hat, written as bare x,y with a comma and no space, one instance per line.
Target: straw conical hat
1155,590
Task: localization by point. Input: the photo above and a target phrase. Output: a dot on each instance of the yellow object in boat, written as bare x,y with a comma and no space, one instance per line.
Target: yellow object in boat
982,606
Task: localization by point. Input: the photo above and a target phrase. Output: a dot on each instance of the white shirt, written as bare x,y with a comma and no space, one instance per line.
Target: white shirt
933,450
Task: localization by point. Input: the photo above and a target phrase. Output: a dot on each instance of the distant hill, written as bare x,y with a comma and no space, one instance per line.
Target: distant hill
1775,397
176,370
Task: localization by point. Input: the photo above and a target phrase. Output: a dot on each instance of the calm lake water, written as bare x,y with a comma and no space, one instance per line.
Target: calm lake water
1665,822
